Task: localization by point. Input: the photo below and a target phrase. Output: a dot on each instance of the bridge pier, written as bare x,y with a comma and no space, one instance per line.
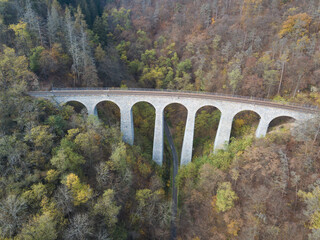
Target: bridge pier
126,124
92,110
187,146
157,153
224,130
262,127
228,105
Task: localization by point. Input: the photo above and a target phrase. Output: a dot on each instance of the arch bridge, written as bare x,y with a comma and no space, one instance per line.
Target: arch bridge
228,105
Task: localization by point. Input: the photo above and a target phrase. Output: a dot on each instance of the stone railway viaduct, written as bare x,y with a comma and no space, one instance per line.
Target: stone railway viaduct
229,106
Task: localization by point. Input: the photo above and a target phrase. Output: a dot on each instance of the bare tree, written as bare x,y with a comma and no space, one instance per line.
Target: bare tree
83,64
34,22
12,211
308,131
80,227
73,46
54,24
64,199
283,60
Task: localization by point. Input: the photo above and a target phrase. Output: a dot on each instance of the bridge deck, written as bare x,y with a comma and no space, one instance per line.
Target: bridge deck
228,105
162,93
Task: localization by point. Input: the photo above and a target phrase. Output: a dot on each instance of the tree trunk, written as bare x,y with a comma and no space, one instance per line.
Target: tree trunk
270,85
297,86
281,78
40,35
316,135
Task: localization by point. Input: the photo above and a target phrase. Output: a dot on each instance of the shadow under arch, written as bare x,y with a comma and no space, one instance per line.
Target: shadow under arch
205,129
278,122
176,116
78,107
244,122
143,122
108,112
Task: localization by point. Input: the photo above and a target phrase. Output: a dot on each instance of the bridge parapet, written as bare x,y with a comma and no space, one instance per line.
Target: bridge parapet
193,101
233,96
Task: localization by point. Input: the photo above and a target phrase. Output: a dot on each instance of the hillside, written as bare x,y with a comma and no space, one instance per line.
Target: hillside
67,175
259,48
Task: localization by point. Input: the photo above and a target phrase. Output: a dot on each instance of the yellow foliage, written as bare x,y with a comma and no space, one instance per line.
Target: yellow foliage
292,10
225,197
50,208
266,60
238,123
160,192
72,179
37,192
72,133
81,193
19,28
308,195
302,43
40,136
312,199
213,21
315,220
297,25
233,228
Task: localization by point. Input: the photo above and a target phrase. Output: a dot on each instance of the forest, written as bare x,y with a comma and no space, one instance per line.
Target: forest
65,174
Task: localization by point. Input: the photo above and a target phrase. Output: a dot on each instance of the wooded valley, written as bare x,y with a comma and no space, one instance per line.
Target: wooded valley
65,174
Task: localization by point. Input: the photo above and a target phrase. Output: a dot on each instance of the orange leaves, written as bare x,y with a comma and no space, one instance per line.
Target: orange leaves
213,21
233,228
297,25
213,203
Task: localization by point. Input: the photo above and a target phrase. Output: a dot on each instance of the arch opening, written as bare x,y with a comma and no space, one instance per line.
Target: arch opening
280,123
205,130
244,123
143,122
175,114
109,113
77,106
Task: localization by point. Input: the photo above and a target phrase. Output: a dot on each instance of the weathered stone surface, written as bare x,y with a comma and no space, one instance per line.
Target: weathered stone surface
192,102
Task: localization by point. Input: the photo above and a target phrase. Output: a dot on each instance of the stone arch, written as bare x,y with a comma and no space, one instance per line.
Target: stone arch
143,101
248,110
78,106
207,118
177,103
243,121
144,114
109,112
280,120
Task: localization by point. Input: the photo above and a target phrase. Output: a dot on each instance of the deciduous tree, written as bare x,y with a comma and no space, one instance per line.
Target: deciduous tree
107,207
225,197
81,193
